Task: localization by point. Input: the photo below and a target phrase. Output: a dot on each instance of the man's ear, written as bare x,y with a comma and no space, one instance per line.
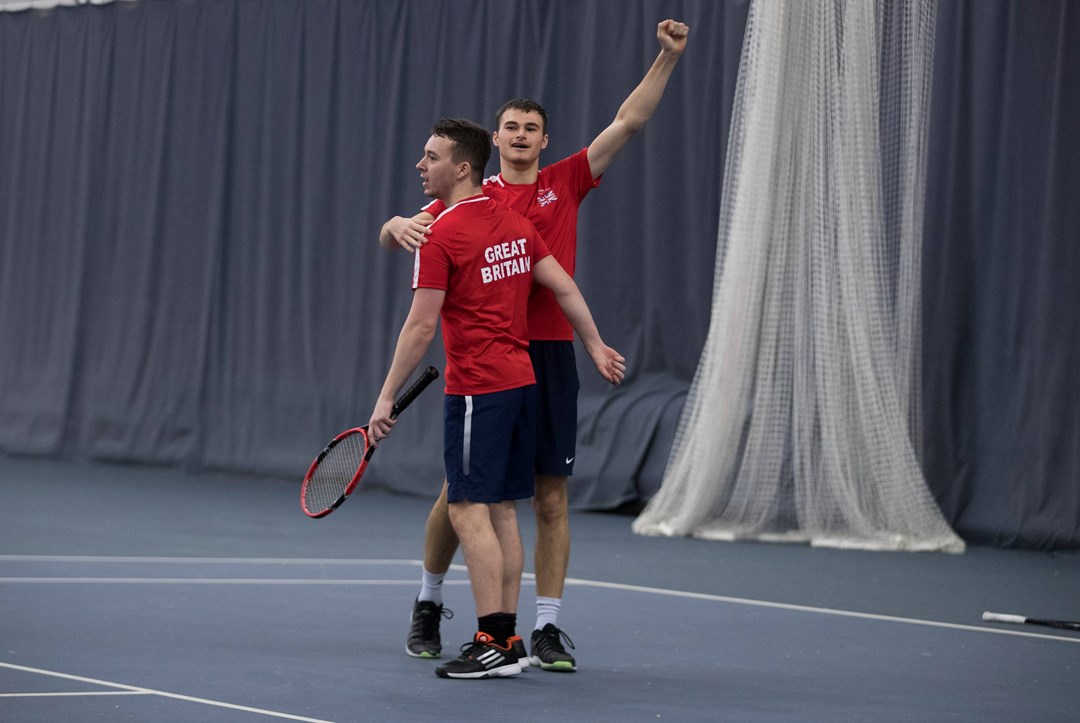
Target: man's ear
464,169
543,143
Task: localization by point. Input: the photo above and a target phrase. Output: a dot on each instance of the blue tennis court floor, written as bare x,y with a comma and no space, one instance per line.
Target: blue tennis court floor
124,597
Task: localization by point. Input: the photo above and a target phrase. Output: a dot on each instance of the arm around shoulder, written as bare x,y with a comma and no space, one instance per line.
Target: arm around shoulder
408,233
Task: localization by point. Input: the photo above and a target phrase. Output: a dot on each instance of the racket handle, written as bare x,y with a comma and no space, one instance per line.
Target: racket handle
430,374
1002,618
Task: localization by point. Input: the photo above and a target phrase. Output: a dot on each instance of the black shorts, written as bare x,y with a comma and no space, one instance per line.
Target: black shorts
488,445
556,410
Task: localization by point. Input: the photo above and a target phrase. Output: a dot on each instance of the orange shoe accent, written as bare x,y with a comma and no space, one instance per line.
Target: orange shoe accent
486,639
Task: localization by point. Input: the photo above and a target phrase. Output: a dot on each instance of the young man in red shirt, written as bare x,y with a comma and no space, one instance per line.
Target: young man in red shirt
476,273
549,197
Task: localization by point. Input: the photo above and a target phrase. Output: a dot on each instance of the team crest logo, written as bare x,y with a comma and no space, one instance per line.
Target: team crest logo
546,196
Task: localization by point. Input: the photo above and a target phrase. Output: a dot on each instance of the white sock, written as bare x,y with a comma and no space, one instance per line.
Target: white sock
547,611
431,587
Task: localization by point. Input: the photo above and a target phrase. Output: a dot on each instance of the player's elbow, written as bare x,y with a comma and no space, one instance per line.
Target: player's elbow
565,291
425,329
419,328
628,123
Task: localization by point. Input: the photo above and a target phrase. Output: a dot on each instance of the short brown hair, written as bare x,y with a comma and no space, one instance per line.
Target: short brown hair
472,143
525,105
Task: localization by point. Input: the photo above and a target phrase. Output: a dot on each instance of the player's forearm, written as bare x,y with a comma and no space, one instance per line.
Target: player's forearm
633,114
412,344
548,273
640,105
386,239
577,313
609,363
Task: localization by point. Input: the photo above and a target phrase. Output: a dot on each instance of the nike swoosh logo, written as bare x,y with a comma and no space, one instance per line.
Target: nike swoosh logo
569,460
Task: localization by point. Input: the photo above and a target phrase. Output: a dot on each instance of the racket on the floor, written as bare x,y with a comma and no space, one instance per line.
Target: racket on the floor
337,470
1021,620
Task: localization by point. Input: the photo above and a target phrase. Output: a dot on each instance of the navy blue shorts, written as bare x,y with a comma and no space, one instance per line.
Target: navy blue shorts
488,445
556,412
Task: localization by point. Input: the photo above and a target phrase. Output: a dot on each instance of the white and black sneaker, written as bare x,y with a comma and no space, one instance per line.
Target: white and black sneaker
482,658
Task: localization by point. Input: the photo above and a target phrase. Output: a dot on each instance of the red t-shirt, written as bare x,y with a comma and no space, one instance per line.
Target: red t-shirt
551,204
481,253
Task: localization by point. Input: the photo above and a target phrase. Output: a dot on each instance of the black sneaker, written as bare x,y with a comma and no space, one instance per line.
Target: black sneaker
548,651
424,640
517,648
482,658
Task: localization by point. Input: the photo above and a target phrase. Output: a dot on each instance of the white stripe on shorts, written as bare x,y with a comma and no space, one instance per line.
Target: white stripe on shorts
468,435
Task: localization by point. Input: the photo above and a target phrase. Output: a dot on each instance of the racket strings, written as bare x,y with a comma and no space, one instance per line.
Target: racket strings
334,473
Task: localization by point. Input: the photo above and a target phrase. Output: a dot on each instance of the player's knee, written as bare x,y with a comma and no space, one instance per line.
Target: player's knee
550,504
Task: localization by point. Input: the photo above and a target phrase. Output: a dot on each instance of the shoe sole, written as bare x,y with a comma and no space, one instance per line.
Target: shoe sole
426,655
505,671
562,666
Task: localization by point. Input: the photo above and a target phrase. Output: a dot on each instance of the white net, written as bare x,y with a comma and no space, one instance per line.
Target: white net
802,422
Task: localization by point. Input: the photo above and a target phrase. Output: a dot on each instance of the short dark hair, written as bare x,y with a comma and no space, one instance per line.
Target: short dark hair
472,143
524,105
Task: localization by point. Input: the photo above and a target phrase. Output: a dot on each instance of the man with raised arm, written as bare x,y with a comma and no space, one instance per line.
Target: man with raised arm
476,273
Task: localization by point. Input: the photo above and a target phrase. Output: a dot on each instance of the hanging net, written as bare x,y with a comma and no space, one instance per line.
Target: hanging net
802,422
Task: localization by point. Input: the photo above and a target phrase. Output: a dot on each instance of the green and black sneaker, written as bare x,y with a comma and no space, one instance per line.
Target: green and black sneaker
548,651
424,640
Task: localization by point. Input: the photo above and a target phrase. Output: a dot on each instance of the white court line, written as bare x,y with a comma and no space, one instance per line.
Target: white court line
815,610
215,560
162,693
206,581
527,577
71,694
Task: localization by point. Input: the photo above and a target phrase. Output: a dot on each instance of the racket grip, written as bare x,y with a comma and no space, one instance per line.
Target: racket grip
1000,618
430,374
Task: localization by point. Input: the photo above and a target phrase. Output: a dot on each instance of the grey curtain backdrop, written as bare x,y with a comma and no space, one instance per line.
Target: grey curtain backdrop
190,194
1001,272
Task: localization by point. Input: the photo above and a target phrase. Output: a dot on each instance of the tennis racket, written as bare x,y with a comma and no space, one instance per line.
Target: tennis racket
337,470
1021,620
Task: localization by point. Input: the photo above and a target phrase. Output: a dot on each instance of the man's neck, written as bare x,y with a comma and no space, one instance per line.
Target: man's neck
461,192
515,175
